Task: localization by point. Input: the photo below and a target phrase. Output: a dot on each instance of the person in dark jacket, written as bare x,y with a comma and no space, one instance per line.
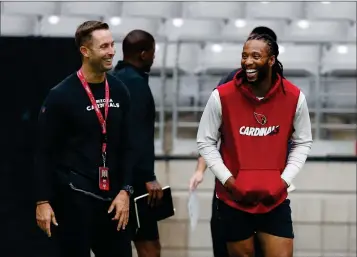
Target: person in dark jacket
85,155
133,70
219,245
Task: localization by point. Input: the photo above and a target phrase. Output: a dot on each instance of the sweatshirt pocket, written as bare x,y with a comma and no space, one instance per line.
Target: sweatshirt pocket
263,183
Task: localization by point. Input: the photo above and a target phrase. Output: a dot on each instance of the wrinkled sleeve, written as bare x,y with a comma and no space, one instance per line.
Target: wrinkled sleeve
301,141
49,135
208,136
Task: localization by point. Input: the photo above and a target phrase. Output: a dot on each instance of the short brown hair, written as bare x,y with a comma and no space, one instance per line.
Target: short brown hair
84,31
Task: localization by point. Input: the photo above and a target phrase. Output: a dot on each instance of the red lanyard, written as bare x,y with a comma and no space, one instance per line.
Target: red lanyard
102,120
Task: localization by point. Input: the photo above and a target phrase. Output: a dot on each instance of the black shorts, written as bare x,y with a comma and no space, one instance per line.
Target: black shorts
238,225
218,238
217,233
149,230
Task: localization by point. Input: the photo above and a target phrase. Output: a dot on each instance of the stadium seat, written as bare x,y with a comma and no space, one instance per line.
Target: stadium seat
299,58
331,10
240,29
122,26
221,57
35,8
220,10
351,35
159,56
208,83
188,90
152,9
18,25
60,26
275,10
155,83
191,29
307,86
339,59
317,31
187,60
340,93
91,9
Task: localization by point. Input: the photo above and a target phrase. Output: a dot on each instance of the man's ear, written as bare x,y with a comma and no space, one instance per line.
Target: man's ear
143,55
84,51
272,61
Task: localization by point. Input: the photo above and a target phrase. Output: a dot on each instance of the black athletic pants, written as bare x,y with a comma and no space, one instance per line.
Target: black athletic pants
218,239
84,224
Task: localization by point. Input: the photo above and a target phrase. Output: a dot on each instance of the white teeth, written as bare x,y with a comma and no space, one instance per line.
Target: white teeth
251,71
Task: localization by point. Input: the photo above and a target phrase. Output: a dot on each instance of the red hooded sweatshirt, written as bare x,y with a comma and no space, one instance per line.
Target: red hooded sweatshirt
254,140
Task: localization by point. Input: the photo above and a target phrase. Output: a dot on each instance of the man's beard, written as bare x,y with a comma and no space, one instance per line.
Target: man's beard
263,72
146,68
98,66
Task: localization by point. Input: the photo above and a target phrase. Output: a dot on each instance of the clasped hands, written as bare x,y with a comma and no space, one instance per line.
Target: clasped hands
253,198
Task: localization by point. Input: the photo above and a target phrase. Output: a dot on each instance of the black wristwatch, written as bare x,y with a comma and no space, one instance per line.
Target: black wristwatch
128,189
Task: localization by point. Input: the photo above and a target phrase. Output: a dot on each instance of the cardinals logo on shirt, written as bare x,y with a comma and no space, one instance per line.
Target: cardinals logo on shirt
259,131
101,104
260,118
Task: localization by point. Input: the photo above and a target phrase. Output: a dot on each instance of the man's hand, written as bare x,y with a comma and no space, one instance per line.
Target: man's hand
271,199
121,206
44,217
231,188
250,198
196,179
155,192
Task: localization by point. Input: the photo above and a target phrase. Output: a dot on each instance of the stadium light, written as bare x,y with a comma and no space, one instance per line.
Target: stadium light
177,22
342,49
217,48
303,24
325,2
115,21
265,2
240,23
53,19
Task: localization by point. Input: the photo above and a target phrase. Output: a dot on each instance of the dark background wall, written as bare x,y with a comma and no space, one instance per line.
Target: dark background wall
30,66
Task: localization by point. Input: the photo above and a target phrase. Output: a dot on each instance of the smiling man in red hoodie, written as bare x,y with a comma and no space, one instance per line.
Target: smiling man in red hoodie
255,115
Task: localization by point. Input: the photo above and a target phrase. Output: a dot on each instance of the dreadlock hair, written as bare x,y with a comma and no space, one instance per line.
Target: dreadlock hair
273,50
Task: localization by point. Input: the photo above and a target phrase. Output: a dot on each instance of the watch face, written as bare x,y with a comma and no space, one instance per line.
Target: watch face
129,189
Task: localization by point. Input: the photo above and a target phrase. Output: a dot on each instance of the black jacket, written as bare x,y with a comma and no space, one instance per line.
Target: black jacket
142,119
68,149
